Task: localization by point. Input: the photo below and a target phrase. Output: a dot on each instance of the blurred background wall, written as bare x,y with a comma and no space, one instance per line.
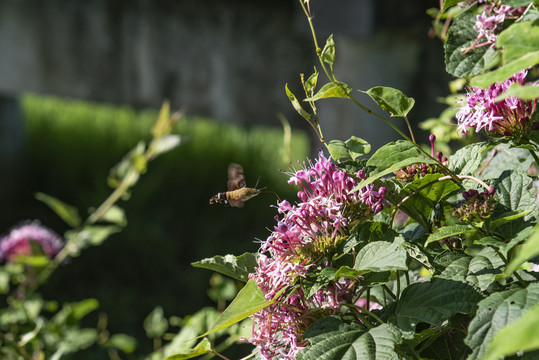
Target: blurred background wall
110,64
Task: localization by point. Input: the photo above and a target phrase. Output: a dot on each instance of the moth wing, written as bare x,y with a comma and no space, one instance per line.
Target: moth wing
236,180
236,203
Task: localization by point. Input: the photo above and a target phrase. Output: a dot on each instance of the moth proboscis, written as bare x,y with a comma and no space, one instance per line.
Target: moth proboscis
238,192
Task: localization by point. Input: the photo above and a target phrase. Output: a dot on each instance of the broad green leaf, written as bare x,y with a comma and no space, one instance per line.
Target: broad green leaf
466,160
73,340
296,104
447,231
347,272
125,343
516,337
512,194
314,282
434,301
506,71
381,256
37,261
249,300
460,37
328,53
529,250
66,212
526,92
332,339
202,348
518,40
332,89
155,323
392,157
495,312
349,149
237,267
391,100
479,270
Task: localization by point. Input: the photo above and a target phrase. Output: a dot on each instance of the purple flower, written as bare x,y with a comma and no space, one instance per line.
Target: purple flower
507,117
304,234
21,239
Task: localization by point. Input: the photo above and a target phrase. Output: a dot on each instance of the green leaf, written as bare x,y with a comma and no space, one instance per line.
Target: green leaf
529,250
92,235
391,100
328,53
449,3
518,40
311,82
237,267
115,215
381,256
349,149
163,124
295,103
461,36
249,300
495,312
512,194
418,255
526,92
506,218
202,348
434,301
66,212
164,144
506,71
122,342
392,157
467,159
447,231
421,205
480,270
155,323
332,89
519,336
332,339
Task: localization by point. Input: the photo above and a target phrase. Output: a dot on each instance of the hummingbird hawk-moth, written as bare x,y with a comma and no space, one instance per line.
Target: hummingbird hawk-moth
237,193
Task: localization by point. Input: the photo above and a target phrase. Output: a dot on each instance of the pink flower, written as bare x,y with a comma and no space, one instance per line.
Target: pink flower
21,239
508,117
317,223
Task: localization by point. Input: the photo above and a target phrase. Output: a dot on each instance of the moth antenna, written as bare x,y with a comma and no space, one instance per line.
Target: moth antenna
257,180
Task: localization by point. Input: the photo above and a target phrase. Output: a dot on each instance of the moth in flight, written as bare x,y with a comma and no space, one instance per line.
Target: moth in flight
237,193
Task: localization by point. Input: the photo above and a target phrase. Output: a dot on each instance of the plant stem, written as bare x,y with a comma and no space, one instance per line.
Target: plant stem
534,155
505,261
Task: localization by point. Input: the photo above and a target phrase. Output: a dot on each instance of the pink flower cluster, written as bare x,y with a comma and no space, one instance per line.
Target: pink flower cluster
20,240
489,22
322,217
508,117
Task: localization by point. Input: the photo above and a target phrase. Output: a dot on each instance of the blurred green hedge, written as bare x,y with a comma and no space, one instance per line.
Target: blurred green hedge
70,147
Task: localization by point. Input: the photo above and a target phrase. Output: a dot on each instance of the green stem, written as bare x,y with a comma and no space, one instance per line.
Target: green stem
409,128
534,156
398,284
505,261
389,291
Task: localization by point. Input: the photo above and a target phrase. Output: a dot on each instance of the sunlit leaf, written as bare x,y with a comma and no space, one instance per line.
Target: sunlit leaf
506,71
529,250
349,149
202,348
447,231
466,160
237,267
296,104
495,312
381,256
328,53
332,89
123,342
249,300
391,100
155,323
518,336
